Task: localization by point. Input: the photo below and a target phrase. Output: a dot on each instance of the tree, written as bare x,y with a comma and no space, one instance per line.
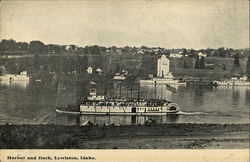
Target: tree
185,66
9,45
94,50
126,49
184,51
36,47
197,62
114,49
248,67
36,63
224,67
1,70
221,52
53,49
202,63
192,53
236,65
144,48
236,60
23,46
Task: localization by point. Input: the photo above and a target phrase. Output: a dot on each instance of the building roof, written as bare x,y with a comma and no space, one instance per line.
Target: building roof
98,70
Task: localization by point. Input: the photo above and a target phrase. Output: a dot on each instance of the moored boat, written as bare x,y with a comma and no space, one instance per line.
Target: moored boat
234,81
23,76
69,109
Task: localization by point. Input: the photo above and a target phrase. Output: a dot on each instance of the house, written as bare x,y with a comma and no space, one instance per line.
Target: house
176,55
200,54
89,70
99,71
140,51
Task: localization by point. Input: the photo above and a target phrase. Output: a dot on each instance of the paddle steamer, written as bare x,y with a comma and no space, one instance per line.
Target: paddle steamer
100,105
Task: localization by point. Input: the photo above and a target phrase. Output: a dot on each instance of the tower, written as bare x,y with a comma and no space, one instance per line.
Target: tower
163,66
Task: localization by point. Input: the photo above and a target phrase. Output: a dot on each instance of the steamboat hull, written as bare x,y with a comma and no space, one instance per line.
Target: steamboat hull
128,114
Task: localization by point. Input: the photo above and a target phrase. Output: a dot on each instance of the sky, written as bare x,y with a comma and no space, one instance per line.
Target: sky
170,24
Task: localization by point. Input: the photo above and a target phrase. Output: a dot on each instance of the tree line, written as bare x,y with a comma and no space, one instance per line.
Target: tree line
10,46
38,47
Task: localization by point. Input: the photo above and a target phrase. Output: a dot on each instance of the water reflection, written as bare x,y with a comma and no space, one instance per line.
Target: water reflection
235,96
126,120
143,91
151,91
66,119
247,97
20,84
31,104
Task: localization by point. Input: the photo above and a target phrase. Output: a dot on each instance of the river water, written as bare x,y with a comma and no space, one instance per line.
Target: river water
35,102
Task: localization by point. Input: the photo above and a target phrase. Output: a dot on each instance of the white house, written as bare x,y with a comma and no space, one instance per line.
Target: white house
163,66
98,70
200,54
176,55
90,70
140,51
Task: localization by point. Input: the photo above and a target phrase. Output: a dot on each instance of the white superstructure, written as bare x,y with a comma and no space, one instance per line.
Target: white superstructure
234,81
23,76
99,105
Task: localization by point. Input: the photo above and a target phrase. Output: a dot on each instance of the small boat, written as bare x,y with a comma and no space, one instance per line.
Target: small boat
69,109
234,81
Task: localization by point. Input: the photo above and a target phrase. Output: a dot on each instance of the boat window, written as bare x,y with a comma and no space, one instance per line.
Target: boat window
123,104
102,104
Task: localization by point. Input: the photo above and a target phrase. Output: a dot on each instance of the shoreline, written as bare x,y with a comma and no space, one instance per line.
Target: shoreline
159,136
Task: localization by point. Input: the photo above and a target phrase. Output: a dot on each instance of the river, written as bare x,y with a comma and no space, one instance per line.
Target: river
35,102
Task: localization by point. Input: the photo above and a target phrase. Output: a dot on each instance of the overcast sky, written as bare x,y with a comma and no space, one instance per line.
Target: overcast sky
170,24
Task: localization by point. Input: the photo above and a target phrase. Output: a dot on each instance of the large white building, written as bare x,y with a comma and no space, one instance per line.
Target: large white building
163,66
164,76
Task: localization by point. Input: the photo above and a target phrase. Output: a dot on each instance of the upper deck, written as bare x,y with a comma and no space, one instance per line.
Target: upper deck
124,102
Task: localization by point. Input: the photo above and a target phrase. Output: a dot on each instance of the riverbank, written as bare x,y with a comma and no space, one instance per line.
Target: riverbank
163,136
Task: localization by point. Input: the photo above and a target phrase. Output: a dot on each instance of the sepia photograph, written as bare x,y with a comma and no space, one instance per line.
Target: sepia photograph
163,75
